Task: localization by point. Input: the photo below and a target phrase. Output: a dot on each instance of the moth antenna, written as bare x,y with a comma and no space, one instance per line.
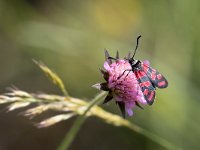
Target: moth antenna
136,46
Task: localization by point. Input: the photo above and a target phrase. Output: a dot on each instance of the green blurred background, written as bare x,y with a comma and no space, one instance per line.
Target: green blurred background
70,37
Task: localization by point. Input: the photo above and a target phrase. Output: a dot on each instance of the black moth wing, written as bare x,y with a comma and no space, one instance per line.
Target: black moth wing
146,86
156,78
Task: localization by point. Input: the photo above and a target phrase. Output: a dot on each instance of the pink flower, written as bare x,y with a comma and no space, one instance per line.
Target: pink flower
121,84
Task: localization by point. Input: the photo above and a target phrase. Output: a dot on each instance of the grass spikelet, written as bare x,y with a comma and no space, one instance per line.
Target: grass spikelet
70,108
35,111
55,119
18,105
52,76
16,93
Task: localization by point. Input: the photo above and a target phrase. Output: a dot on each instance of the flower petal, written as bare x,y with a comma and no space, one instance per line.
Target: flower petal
129,111
106,66
146,62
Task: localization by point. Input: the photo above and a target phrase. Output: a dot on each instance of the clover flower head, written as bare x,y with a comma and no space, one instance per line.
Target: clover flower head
121,84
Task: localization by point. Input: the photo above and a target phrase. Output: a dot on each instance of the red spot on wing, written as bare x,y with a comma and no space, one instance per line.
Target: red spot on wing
162,83
153,75
157,79
146,92
146,83
150,98
140,74
145,68
159,76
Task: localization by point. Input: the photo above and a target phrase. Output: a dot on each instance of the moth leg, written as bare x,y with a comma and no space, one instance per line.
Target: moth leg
128,73
112,58
124,72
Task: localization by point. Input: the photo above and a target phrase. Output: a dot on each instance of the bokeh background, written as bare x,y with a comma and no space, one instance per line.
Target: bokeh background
70,37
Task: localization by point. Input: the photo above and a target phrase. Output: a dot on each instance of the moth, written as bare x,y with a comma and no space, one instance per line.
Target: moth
148,78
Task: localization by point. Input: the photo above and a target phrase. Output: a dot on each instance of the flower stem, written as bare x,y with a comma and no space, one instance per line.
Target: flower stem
78,122
157,139
118,121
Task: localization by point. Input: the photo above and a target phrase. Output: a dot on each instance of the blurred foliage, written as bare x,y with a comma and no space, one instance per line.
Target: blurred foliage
70,36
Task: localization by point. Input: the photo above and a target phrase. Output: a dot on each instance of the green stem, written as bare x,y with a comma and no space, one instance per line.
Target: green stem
78,122
163,142
65,92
